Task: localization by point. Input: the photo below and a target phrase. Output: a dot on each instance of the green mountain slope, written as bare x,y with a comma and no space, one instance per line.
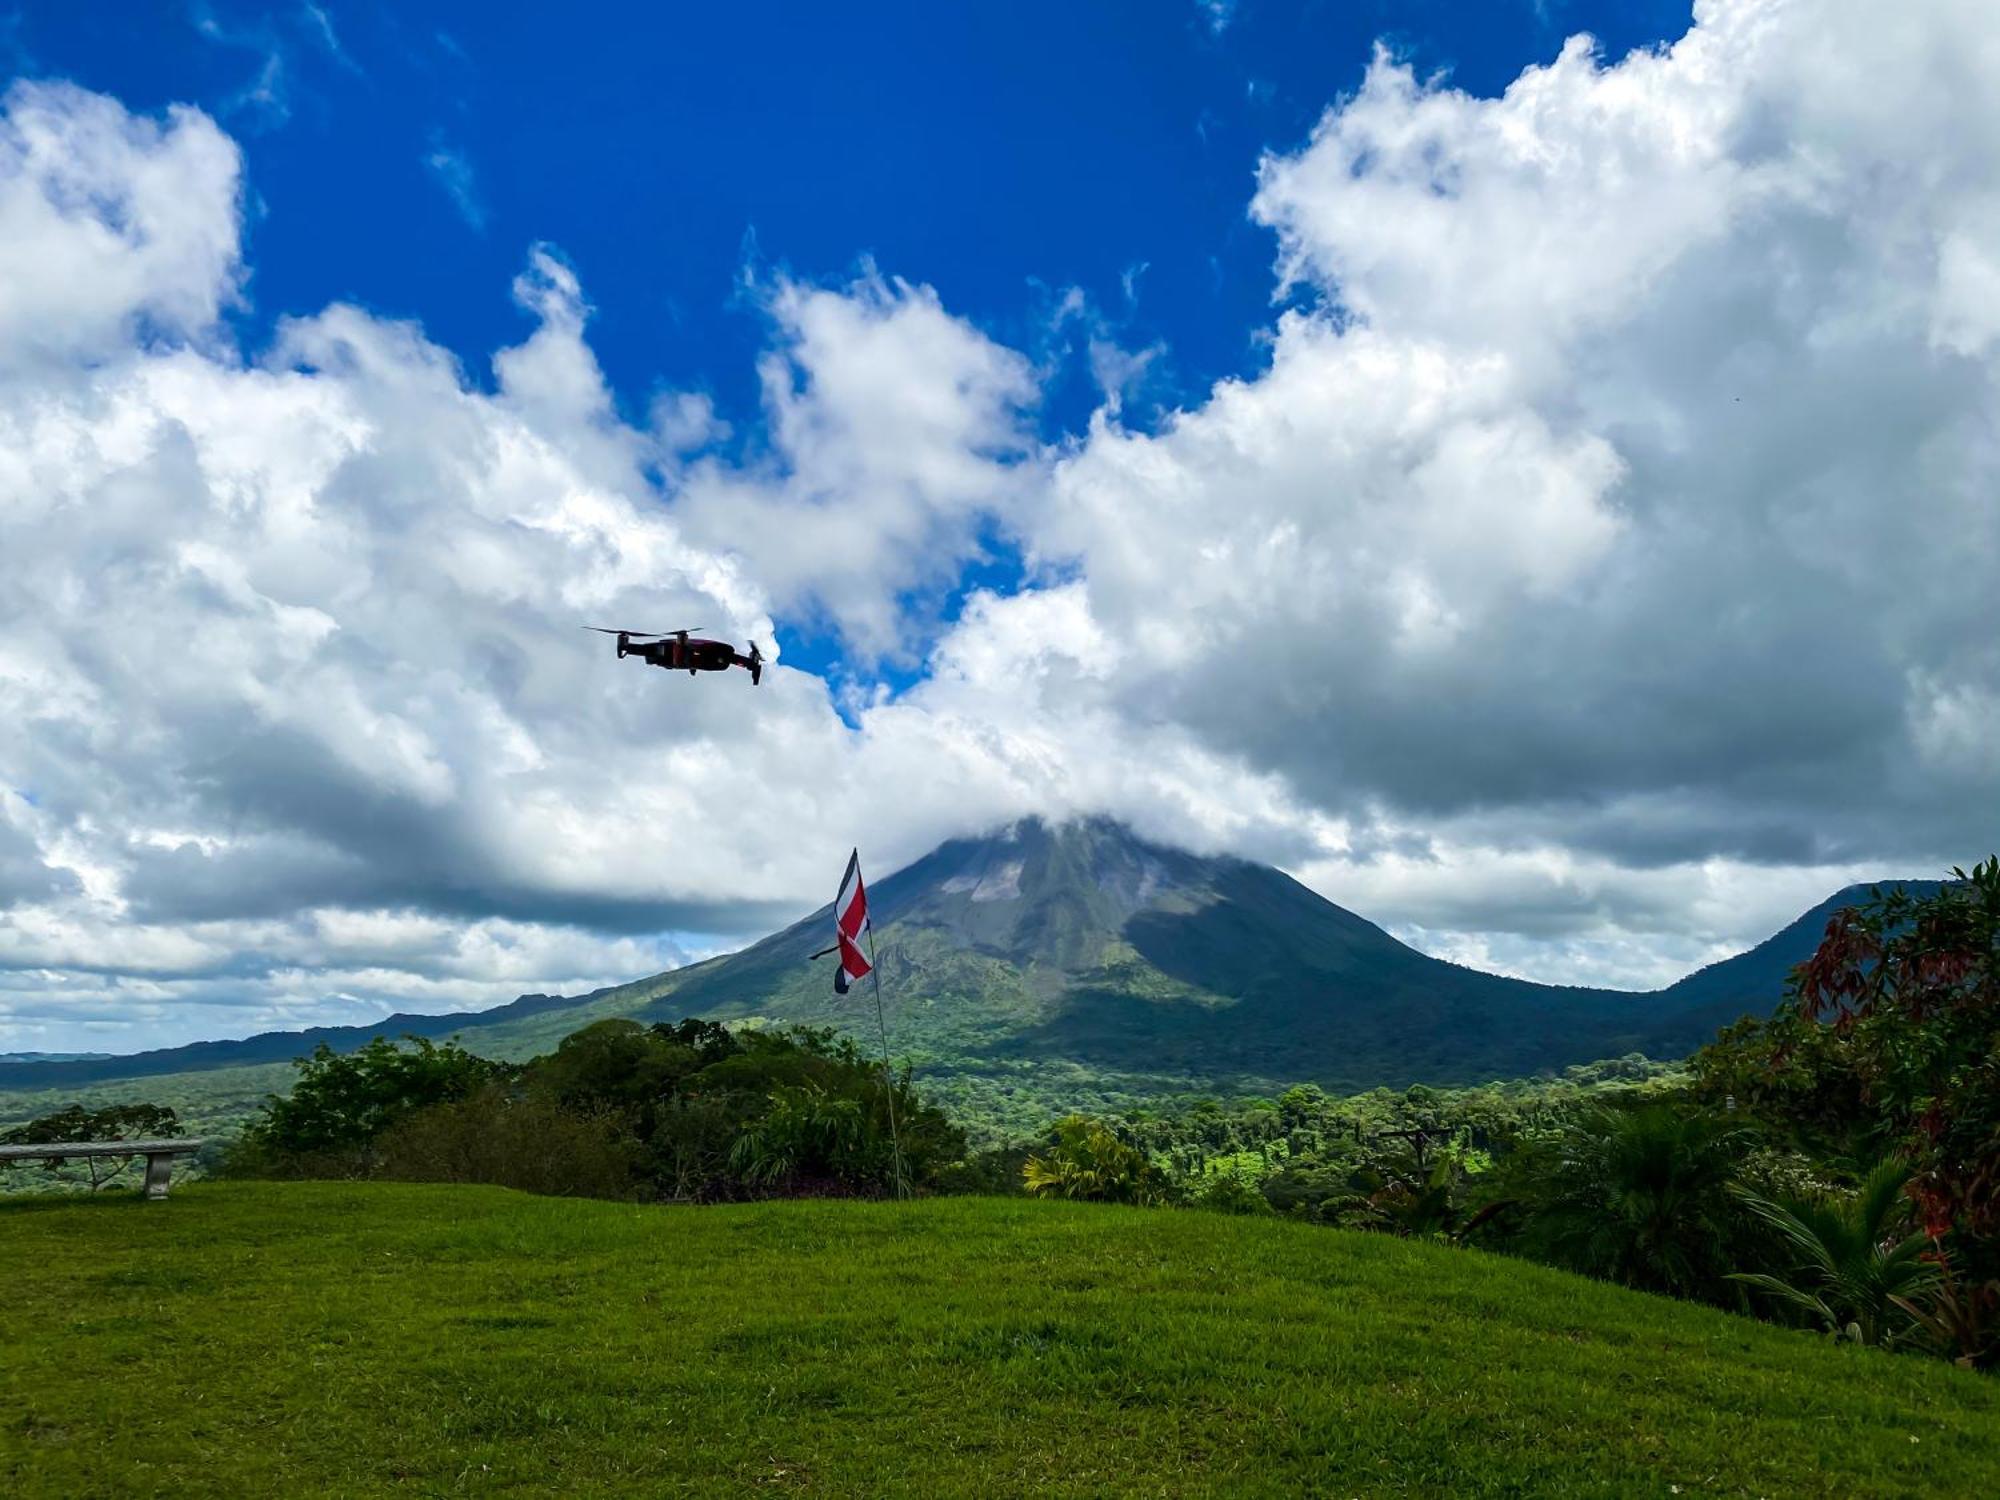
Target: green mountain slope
1076,966
1718,994
362,1339
1085,945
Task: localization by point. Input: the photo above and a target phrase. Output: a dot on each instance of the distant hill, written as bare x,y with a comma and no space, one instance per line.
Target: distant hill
1086,946
283,1046
38,1057
1085,943
1713,997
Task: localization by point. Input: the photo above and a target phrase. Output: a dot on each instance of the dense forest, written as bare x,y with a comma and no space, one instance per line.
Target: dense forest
1835,1166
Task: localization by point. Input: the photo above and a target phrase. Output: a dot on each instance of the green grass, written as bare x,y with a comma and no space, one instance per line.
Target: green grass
266,1339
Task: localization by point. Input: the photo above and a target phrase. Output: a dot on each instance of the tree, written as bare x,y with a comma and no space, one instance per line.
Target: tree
1890,1037
340,1103
1085,1160
118,1122
1913,983
1853,1272
1639,1196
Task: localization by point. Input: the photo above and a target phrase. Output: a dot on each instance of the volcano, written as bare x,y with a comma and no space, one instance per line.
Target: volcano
1083,942
1083,950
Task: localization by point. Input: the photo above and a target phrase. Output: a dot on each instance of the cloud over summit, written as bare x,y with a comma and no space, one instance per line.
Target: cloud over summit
1601,570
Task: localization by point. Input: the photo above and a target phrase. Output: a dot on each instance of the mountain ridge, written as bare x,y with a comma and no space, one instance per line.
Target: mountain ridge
1086,943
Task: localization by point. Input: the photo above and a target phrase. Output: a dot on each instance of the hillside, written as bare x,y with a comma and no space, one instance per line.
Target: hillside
1714,996
1086,945
529,1018
367,1339
1074,967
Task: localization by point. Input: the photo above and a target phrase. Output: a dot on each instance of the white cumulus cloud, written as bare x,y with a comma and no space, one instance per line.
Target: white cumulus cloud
1601,571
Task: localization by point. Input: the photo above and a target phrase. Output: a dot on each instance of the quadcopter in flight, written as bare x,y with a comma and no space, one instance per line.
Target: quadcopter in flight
682,651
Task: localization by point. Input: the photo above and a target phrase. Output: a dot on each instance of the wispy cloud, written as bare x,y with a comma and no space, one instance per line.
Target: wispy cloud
454,174
317,22
266,99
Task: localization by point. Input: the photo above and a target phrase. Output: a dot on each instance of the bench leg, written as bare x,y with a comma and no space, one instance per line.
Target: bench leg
158,1170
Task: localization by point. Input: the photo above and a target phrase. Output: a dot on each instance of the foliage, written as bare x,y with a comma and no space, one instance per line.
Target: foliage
1961,1319
1914,984
809,1134
1232,1183
1227,1193
362,1339
1639,1196
341,1102
117,1122
1085,1161
1852,1272
1891,1038
515,1139
688,1110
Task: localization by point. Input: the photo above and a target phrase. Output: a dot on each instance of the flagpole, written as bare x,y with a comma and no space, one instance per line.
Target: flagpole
888,1079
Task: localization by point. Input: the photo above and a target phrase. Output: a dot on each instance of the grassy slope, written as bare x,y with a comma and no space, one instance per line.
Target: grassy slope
345,1340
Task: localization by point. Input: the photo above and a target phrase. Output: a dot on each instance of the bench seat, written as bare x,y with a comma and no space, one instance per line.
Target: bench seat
159,1156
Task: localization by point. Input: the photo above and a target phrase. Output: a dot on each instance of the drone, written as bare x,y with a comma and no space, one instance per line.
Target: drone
683,651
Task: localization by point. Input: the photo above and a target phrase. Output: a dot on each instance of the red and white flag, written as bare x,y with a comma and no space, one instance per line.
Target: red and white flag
850,920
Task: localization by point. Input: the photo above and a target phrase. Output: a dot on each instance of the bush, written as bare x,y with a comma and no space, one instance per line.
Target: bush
328,1124
1639,1196
688,1111
526,1141
1229,1193
1085,1160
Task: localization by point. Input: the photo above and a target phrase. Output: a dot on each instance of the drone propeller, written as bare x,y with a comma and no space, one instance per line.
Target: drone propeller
642,635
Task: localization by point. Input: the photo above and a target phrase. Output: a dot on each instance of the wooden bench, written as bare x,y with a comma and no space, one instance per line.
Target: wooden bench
159,1156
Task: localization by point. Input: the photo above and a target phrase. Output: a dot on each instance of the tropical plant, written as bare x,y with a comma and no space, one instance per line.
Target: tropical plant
1639,1196
1084,1159
808,1133
1851,1265
1904,992
1958,1317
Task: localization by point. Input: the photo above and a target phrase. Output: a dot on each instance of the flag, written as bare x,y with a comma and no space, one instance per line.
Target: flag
850,920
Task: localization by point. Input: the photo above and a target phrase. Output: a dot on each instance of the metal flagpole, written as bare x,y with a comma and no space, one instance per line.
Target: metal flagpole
888,1079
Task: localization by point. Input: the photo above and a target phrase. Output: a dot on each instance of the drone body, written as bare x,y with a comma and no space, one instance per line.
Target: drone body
678,651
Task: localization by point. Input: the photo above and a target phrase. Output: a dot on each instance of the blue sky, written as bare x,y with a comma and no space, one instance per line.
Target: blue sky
1001,153
403,156
1536,487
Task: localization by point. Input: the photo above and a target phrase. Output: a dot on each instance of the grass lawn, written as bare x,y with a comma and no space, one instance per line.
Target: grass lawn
333,1340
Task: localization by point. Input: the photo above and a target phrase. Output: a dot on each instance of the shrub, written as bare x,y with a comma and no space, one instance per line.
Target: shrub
327,1125
1086,1161
1850,1270
515,1139
687,1111
1639,1196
